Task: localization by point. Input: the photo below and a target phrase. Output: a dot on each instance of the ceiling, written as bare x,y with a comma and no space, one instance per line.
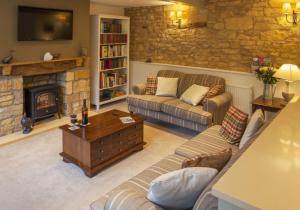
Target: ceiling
133,3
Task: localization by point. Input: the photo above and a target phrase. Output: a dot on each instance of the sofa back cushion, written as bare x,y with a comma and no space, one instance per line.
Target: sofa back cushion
187,80
199,79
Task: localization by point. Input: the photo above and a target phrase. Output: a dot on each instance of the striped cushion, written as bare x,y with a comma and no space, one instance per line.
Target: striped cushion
205,143
199,79
214,91
168,118
151,86
234,125
150,102
141,182
180,109
126,199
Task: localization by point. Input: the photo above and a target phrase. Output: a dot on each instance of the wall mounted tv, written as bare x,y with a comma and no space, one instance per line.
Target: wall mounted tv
41,24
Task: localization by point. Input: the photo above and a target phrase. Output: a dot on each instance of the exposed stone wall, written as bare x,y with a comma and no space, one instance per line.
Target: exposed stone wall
11,104
33,81
75,87
235,32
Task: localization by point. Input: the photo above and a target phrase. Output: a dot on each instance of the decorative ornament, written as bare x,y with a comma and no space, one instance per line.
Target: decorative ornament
48,57
27,124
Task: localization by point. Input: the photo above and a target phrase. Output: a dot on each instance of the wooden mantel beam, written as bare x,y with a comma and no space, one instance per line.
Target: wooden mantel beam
32,68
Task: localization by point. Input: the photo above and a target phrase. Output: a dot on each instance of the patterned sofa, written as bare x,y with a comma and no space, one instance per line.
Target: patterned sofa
132,194
175,111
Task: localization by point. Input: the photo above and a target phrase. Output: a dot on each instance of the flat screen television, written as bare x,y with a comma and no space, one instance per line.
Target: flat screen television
41,24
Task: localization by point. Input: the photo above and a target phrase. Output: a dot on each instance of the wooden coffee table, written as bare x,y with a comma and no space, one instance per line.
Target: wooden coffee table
103,142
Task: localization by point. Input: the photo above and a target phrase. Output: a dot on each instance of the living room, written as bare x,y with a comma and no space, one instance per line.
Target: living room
149,104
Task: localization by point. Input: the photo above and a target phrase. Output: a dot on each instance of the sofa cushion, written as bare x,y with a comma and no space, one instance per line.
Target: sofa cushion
141,182
150,102
234,125
180,109
166,86
194,94
127,199
207,142
151,86
215,160
199,79
180,189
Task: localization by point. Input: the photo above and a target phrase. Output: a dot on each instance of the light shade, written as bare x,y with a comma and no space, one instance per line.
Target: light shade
297,9
288,72
287,9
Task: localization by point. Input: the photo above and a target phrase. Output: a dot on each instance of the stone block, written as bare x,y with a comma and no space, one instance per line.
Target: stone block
239,23
5,84
18,83
82,74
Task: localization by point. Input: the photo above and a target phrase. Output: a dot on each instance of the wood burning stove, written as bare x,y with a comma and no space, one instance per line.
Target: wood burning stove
41,102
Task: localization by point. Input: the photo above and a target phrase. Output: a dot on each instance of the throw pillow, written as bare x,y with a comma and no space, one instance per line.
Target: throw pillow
214,91
233,125
255,123
180,189
217,160
166,86
151,86
194,94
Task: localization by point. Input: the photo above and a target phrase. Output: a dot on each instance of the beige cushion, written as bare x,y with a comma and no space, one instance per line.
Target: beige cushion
194,94
215,160
180,189
167,86
255,123
127,199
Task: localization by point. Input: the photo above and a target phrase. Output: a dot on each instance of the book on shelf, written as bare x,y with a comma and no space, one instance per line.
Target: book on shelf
113,38
112,79
113,63
111,26
109,51
106,95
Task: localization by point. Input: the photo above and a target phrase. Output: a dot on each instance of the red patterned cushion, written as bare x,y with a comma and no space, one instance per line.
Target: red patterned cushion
234,125
213,91
151,86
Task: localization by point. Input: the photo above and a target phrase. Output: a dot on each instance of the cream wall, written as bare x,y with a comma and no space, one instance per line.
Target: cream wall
96,8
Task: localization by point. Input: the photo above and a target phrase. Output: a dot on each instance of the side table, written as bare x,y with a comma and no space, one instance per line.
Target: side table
274,105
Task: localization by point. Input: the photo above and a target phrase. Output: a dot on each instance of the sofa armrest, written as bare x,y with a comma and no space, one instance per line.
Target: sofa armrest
139,89
218,106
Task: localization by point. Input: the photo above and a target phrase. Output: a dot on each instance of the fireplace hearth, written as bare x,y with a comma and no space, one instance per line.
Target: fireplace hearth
41,102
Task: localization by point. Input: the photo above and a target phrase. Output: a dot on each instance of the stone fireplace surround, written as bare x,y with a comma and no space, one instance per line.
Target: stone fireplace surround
72,77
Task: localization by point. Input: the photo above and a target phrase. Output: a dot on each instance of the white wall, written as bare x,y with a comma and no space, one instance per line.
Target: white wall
96,8
140,70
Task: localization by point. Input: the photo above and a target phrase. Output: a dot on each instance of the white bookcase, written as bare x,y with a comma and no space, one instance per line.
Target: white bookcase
110,37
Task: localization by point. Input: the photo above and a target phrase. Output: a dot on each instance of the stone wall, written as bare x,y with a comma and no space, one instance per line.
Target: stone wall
234,33
74,88
11,104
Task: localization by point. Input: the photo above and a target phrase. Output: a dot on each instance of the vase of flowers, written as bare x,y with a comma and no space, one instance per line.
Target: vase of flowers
266,75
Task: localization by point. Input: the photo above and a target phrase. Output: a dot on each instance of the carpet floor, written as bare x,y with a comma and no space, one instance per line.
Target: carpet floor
34,177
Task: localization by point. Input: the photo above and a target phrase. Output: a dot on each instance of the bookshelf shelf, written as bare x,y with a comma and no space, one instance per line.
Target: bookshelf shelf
110,58
115,86
115,69
114,57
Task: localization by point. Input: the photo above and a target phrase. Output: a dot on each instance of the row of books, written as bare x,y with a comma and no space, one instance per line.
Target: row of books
113,51
111,27
112,79
110,94
113,38
113,63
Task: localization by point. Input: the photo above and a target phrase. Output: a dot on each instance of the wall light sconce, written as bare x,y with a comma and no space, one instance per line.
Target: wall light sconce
291,15
176,17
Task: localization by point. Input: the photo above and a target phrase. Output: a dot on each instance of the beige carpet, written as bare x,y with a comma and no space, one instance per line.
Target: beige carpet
33,176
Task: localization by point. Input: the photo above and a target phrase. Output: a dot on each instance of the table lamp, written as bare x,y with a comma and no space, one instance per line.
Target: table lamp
290,73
